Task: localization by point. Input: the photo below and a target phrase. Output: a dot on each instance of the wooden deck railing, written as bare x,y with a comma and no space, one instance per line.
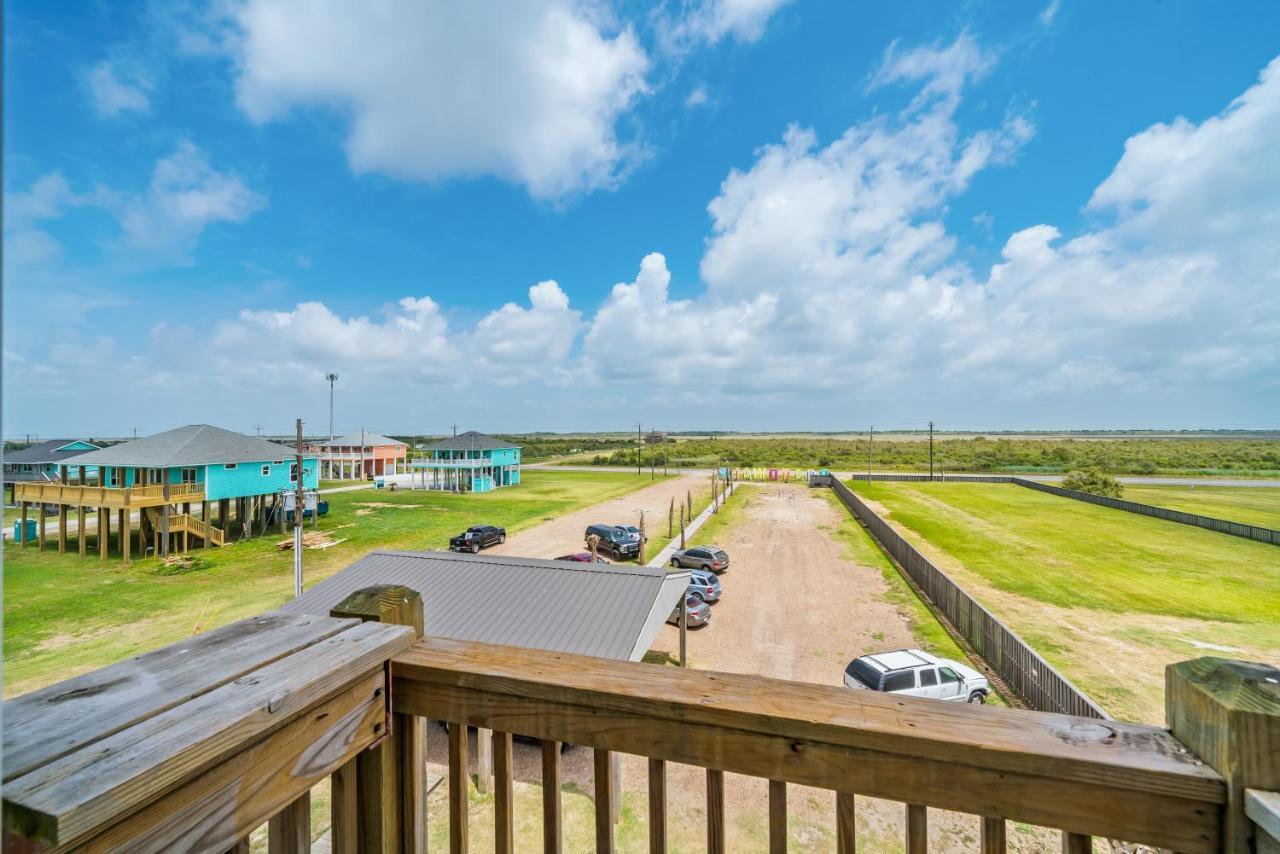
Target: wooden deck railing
192,746
107,496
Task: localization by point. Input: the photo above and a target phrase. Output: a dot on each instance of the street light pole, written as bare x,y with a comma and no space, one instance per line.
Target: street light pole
332,378
871,435
298,502
931,450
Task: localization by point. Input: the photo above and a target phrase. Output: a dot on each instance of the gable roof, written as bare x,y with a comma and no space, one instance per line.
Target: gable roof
353,440
193,445
612,611
470,441
47,452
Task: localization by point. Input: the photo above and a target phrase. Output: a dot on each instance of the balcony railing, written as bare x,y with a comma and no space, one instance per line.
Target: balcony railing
108,496
193,746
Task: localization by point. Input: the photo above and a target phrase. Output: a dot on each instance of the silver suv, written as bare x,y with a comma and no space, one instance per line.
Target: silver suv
712,558
917,674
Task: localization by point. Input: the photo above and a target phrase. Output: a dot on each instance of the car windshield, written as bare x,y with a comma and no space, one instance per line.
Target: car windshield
865,672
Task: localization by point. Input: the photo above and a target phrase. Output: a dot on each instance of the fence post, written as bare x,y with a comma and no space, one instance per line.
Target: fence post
1228,713
390,777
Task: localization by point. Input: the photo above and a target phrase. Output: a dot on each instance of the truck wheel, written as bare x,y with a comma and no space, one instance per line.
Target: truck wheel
978,698
502,538
475,548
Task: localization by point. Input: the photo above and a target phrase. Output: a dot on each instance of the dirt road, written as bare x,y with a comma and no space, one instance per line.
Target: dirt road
564,535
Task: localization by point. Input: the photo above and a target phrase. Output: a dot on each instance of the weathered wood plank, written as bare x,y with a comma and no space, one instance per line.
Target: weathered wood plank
777,817
657,806
343,837
410,737
47,724
1077,843
459,784
289,831
552,836
503,794
917,829
715,811
223,805
602,782
88,789
1140,785
992,834
1263,809
846,824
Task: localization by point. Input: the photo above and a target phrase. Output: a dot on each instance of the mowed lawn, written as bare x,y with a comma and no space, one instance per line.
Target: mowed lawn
64,615
1109,597
1252,505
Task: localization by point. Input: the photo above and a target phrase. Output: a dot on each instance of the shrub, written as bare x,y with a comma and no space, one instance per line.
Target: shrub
1093,481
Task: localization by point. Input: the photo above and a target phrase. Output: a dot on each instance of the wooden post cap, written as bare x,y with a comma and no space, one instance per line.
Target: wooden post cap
383,603
1228,713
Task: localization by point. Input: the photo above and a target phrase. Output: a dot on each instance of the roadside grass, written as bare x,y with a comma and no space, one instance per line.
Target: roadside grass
732,512
64,615
1250,505
1109,597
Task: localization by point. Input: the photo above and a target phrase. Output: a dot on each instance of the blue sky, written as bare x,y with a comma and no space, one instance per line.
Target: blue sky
739,214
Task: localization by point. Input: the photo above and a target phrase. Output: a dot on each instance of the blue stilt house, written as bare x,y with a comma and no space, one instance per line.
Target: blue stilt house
470,462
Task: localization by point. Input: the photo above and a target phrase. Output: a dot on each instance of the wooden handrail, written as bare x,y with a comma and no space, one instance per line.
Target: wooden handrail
1123,781
107,496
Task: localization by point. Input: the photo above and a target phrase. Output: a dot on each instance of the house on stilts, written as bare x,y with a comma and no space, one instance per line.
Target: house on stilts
470,462
196,480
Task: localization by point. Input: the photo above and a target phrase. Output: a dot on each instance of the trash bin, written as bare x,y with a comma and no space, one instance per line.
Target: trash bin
17,530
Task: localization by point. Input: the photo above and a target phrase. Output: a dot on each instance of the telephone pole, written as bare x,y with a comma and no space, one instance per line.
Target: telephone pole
930,450
299,502
639,448
870,437
332,378
257,428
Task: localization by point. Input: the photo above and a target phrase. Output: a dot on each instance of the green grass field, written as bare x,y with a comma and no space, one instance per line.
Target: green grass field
64,615
1109,597
1259,505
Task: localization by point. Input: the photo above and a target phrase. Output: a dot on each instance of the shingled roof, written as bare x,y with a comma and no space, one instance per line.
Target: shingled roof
471,441
46,452
193,445
353,440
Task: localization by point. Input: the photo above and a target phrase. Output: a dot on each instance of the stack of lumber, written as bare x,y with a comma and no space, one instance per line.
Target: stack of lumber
311,540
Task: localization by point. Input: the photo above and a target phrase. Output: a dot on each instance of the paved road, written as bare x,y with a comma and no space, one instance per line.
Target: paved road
1044,478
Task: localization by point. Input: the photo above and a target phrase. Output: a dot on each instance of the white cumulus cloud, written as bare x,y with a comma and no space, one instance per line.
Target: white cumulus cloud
115,93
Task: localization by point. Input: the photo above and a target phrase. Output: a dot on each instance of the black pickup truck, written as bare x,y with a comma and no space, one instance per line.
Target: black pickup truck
476,538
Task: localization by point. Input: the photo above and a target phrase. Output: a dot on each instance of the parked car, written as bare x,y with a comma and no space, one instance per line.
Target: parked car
583,557
713,558
699,612
615,540
917,674
477,537
704,585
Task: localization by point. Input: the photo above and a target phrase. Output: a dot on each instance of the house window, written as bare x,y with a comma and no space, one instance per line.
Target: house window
293,472
229,466
266,471
113,479
188,475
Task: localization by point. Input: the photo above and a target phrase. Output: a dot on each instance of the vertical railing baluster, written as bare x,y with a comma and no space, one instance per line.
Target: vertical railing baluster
604,794
777,817
992,835
1076,843
552,840
289,831
503,794
459,781
715,811
846,832
657,806
343,807
917,829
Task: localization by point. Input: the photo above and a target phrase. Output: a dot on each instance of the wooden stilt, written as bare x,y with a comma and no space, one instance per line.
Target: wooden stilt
62,528
126,534
40,527
82,528
22,529
204,517
104,532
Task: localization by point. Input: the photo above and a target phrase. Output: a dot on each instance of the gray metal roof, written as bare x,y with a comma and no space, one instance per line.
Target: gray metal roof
611,611
353,440
193,445
470,441
45,452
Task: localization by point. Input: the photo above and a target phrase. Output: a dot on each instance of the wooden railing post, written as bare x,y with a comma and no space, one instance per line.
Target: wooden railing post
1228,714
390,777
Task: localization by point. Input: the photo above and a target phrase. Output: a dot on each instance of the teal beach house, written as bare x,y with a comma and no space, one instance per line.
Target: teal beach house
469,462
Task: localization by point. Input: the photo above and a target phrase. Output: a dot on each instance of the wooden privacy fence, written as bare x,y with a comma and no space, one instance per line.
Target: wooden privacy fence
192,746
1033,679
1236,529
937,478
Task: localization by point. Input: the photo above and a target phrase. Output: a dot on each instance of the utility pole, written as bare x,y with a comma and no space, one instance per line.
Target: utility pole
135,432
299,502
639,448
930,450
362,471
455,430
870,437
332,378
257,428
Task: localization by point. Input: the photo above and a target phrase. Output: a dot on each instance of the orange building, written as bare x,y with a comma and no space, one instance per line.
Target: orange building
361,455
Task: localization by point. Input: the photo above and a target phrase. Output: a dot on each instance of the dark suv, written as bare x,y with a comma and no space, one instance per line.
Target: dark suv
615,540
